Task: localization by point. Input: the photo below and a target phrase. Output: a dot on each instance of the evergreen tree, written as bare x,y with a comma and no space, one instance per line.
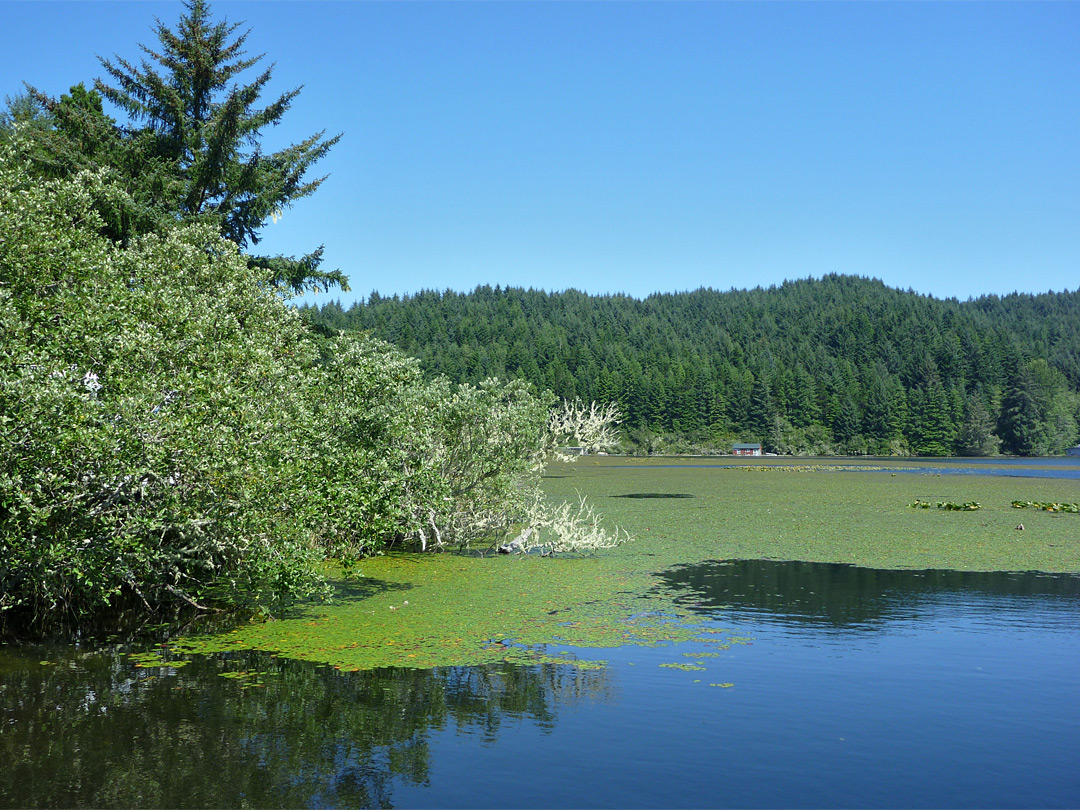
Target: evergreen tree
718,421
847,424
931,430
1038,412
72,134
761,414
22,109
805,408
976,436
1020,424
877,411
191,153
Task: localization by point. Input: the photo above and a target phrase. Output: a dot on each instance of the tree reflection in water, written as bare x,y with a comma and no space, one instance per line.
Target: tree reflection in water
846,596
90,729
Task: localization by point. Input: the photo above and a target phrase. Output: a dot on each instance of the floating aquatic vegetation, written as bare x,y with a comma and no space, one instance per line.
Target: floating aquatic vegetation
684,667
465,611
1074,508
949,506
460,609
816,467
250,679
160,657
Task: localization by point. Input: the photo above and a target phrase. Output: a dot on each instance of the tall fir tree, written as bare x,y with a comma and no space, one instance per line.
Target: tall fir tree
191,150
1021,422
976,435
932,430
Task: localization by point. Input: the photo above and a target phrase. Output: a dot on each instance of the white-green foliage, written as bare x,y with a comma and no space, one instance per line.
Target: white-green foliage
438,465
568,528
393,458
361,431
588,426
487,451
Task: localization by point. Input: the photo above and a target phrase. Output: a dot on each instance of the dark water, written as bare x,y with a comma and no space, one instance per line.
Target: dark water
862,688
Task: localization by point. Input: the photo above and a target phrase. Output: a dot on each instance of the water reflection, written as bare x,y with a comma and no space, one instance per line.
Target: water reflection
87,728
849,597
827,708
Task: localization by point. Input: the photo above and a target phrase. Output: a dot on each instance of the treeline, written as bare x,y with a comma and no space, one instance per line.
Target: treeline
838,365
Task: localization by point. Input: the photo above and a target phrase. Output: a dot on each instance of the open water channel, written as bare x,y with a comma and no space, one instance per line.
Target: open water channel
841,687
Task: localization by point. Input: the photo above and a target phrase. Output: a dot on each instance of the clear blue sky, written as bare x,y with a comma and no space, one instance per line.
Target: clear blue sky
642,147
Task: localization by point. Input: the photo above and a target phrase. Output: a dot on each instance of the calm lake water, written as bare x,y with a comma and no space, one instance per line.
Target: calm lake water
1053,467
854,688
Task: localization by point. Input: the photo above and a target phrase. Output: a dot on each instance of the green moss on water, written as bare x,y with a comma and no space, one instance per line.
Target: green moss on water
446,610
684,667
830,515
425,611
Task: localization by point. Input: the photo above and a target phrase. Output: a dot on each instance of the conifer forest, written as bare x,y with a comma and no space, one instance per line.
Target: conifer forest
843,364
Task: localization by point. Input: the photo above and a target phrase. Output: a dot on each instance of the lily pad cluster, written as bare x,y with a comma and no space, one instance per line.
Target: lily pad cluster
1074,508
949,506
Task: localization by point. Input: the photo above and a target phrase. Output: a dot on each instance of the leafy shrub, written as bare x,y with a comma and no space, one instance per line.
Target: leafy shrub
148,402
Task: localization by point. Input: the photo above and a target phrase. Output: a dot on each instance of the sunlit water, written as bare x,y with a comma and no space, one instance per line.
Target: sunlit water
860,688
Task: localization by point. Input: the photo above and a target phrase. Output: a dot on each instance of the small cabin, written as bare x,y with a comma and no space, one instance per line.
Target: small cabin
743,449
1073,451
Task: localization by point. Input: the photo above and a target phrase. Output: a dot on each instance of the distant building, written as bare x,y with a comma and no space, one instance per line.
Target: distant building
1073,451
741,449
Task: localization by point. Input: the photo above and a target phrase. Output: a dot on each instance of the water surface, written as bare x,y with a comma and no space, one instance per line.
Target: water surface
1055,467
857,688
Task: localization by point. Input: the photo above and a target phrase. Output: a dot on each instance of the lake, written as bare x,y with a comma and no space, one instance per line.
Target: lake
756,682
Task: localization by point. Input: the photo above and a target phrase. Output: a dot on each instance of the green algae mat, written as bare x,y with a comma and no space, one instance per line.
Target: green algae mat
425,611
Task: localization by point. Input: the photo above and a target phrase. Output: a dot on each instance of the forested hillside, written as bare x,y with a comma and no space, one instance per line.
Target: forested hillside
841,364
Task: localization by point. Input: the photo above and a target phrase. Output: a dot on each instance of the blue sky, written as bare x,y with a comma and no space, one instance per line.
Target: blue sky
643,147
